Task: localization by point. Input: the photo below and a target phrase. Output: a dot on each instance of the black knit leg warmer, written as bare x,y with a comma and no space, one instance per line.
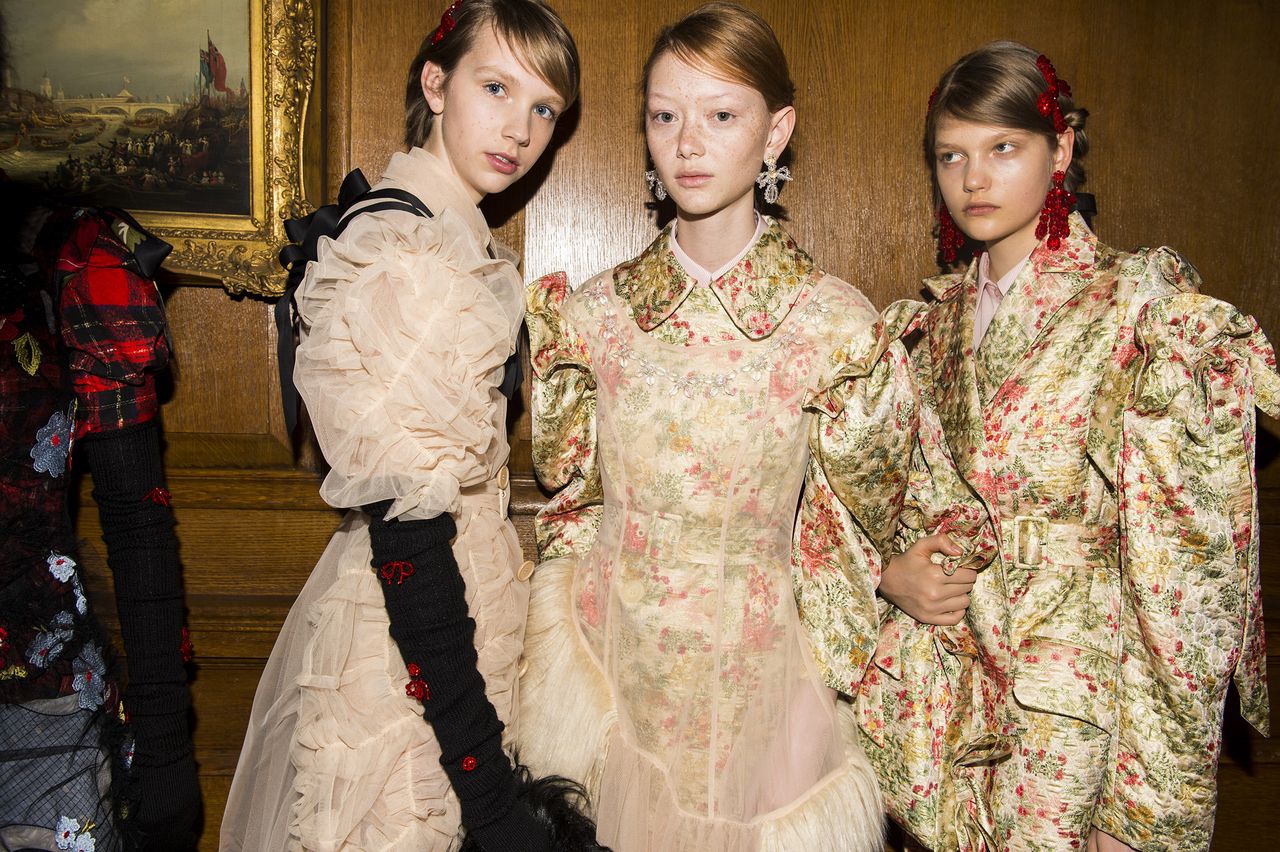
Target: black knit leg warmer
137,525
427,607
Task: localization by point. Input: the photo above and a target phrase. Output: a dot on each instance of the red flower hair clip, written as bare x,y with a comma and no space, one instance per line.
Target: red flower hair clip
447,23
1048,100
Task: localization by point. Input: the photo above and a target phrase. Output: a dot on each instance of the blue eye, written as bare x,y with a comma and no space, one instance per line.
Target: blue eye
948,157
722,115
1004,147
495,88
544,111
663,117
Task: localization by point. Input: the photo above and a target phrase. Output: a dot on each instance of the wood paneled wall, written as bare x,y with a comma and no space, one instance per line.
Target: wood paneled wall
1185,118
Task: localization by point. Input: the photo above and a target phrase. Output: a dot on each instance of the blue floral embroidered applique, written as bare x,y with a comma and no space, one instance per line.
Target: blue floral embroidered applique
53,443
69,835
90,678
47,644
62,567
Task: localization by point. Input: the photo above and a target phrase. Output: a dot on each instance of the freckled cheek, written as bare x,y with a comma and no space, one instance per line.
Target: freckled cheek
662,143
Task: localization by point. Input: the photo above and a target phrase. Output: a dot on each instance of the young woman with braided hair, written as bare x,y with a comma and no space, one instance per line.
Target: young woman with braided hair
1100,412
409,315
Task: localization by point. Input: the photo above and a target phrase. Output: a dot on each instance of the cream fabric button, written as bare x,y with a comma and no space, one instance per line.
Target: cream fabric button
526,570
504,478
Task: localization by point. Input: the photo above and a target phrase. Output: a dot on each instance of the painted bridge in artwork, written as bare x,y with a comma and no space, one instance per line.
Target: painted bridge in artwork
117,105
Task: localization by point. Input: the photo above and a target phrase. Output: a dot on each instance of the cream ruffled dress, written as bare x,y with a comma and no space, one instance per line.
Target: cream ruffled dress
406,325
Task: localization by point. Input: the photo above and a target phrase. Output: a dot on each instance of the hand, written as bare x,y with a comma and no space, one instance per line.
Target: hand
917,585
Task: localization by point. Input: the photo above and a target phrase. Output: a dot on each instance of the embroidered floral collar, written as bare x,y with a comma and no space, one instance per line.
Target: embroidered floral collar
757,293
1077,253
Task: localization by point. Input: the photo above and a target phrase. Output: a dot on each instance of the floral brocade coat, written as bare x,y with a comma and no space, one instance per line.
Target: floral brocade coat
1107,428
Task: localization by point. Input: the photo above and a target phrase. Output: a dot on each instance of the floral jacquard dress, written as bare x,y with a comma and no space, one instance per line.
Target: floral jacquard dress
669,665
1106,426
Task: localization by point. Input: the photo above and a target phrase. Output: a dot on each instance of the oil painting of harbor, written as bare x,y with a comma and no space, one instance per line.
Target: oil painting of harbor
141,104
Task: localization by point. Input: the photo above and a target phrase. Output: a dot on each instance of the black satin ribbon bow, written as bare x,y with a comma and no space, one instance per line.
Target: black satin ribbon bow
304,236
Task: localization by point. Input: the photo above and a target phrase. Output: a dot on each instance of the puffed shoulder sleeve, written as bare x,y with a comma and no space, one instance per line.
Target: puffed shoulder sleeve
564,422
860,456
113,325
406,326
1189,516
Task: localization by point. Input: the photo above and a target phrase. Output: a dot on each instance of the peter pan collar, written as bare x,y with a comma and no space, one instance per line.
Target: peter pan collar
757,292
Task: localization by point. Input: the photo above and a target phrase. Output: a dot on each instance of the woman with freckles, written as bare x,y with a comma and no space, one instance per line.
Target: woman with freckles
728,431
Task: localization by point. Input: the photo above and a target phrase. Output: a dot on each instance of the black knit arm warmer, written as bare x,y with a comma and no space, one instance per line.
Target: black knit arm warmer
427,607
137,526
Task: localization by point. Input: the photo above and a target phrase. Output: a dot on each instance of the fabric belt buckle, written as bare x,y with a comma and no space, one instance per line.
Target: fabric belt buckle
1030,536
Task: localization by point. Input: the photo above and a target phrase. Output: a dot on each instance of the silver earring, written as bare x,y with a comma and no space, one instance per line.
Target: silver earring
655,185
769,178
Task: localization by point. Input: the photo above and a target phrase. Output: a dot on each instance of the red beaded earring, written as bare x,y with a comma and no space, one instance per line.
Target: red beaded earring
949,237
1053,216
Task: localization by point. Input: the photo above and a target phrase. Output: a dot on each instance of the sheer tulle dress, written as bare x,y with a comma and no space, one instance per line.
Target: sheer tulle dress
669,665
407,323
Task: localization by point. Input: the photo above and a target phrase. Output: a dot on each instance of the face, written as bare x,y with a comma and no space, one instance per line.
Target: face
493,116
708,137
994,179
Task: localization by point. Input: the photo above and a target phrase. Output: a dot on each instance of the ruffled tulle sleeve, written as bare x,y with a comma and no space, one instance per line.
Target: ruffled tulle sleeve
1189,557
564,423
860,453
113,325
406,326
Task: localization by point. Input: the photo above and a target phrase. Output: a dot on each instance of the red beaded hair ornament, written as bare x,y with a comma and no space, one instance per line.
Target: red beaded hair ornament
1047,103
1058,203
447,23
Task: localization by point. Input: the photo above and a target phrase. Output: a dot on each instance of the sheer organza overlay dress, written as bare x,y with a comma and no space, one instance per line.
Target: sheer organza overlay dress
407,323
669,665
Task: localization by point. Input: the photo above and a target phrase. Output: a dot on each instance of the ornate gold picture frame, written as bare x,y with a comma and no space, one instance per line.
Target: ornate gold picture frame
241,251
190,118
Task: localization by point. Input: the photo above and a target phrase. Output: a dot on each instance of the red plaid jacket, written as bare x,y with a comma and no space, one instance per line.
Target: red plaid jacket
113,324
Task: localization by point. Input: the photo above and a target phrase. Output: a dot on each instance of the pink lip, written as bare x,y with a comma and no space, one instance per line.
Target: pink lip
980,209
502,163
692,179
